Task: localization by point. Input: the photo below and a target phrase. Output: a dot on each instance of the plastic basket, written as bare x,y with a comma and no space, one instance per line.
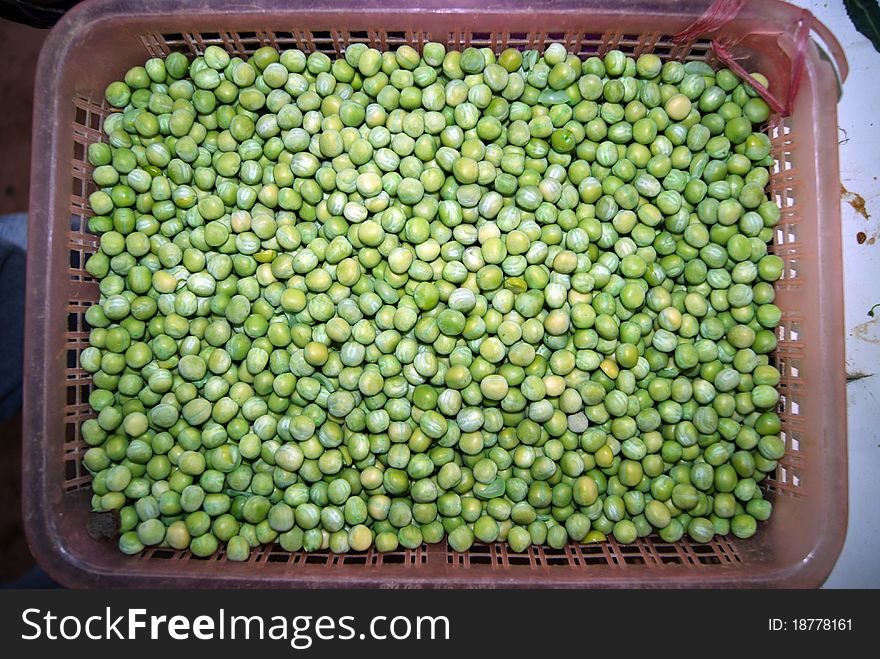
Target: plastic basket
97,41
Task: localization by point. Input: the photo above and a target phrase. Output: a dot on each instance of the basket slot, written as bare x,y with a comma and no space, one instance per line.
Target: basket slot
625,555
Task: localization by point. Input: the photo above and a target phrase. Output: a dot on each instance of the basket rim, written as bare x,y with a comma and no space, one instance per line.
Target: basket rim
41,518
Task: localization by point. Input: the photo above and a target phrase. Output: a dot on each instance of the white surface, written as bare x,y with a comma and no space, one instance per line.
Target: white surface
858,566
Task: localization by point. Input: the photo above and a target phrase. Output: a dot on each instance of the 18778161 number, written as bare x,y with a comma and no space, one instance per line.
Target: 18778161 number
811,624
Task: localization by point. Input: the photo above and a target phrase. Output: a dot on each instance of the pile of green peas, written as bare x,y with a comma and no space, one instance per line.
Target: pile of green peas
392,298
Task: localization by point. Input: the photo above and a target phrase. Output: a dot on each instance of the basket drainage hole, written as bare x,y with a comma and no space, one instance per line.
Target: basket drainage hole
71,468
594,559
162,553
556,560
519,559
706,554
633,559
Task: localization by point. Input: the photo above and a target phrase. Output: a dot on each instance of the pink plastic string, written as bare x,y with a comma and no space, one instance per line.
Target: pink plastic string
726,56
801,37
714,18
722,12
